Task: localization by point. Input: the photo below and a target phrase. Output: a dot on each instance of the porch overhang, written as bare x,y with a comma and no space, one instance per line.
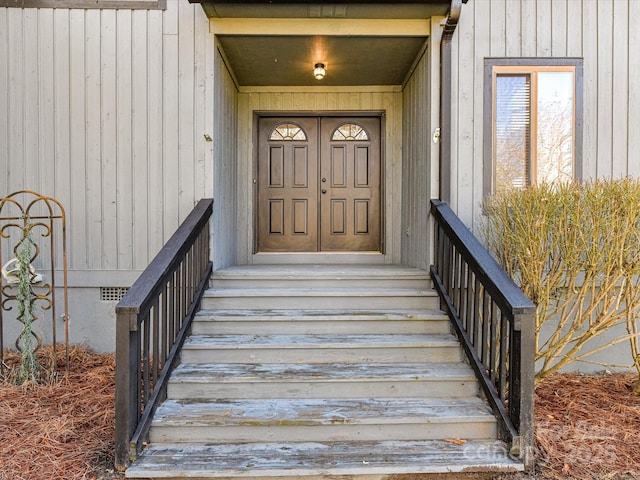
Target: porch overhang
361,43
323,9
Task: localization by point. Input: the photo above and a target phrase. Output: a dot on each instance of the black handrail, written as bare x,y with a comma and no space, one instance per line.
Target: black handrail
152,321
495,323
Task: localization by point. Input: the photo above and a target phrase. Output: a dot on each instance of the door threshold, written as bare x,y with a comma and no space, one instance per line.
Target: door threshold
292,258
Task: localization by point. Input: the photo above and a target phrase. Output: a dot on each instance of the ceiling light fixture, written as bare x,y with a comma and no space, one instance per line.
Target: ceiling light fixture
319,71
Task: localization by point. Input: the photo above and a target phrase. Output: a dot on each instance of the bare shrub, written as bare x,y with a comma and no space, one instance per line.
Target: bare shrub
574,249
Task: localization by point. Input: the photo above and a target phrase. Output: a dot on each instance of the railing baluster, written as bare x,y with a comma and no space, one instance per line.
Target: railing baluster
493,337
485,340
457,271
448,260
461,287
164,322
469,304
504,355
476,317
155,348
185,289
146,334
171,321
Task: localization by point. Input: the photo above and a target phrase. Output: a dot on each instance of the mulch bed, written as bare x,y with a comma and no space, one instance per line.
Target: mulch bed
63,430
587,426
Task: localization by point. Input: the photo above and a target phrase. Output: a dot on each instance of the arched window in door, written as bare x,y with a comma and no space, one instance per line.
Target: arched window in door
349,132
287,132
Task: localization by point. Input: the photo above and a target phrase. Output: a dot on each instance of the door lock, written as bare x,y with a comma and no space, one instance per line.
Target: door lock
324,180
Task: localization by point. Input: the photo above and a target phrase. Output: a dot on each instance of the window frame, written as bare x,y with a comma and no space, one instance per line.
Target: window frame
288,138
526,65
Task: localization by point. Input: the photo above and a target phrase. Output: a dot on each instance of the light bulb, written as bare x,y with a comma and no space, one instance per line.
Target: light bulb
318,71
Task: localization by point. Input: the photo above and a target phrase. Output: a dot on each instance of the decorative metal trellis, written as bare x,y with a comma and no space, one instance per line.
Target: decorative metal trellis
30,226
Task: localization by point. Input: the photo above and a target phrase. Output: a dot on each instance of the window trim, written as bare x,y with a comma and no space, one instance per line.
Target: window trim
520,65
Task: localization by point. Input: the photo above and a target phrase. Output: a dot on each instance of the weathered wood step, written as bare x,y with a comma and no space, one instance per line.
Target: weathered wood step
308,322
319,298
300,420
321,349
315,461
321,276
410,380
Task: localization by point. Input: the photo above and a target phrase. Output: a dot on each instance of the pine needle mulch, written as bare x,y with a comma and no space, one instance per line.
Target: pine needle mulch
588,427
63,430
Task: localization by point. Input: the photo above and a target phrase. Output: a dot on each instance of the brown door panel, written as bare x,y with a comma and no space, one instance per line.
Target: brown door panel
350,196
287,188
318,193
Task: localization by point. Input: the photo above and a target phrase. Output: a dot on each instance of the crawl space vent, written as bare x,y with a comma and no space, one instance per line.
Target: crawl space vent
112,294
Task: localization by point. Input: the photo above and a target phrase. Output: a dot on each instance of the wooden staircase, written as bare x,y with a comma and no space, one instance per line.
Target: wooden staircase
317,372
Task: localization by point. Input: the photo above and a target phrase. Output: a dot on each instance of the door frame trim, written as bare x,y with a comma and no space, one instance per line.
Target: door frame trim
320,257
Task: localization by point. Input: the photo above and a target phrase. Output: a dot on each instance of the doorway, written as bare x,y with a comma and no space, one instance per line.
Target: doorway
319,184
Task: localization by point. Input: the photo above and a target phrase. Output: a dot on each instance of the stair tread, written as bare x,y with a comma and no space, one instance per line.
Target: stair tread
309,412
341,372
263,460
318,292
330,315
314,271
301,341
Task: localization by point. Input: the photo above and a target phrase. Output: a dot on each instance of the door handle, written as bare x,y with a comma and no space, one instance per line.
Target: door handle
324,191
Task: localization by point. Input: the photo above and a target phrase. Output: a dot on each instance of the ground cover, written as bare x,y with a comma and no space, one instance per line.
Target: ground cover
63,430
587,426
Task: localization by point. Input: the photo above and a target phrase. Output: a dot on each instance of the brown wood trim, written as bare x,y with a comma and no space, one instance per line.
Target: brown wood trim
318,113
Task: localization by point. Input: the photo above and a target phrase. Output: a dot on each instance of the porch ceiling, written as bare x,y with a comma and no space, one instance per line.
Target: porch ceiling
353,54
289,60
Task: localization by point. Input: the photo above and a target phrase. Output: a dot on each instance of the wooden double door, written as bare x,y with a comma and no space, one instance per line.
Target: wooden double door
319,184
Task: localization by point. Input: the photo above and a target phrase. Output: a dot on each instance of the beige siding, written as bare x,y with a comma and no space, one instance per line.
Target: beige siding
605,33
388,100
225,208
106,110
419,158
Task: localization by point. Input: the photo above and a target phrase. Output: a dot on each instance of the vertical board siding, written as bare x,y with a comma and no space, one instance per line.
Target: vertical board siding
106,111
634,90
124,132
620,85
604,93
605,33
227,208
4,100
154,119
187,88
416,163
